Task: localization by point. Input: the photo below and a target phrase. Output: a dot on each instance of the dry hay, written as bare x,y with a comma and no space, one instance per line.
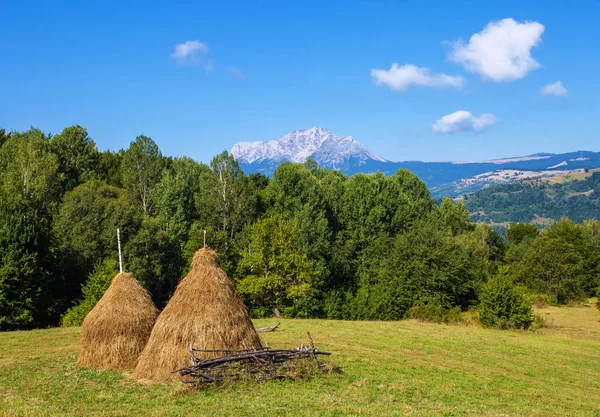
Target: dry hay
204,312
115,332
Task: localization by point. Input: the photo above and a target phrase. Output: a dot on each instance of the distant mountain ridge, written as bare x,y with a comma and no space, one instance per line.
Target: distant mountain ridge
539,201
324,147
443,178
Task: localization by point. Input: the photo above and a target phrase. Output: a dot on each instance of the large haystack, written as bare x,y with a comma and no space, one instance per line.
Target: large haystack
205,312
115,332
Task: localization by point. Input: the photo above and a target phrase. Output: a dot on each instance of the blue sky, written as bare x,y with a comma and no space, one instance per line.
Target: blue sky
257,70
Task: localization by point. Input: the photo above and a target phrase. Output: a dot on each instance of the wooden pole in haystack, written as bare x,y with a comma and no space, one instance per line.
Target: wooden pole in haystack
205,239
119,246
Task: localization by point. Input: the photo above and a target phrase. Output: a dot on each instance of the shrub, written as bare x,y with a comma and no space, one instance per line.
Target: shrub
429,312
540,300
435,313
97,283
503,307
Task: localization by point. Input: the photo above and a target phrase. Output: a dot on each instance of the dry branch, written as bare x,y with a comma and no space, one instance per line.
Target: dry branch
254,364
268,329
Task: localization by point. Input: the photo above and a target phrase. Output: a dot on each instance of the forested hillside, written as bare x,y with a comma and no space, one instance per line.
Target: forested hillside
541,201
309,241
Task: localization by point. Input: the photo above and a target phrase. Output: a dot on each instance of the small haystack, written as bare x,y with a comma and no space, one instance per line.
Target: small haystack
204,312
115,332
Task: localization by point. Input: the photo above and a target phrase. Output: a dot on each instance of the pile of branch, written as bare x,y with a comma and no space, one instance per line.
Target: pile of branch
253,364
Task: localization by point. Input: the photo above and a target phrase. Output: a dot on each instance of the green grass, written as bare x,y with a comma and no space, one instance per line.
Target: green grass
390,368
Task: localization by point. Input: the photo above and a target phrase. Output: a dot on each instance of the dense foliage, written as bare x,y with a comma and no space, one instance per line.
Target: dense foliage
308,242
539,200
503,306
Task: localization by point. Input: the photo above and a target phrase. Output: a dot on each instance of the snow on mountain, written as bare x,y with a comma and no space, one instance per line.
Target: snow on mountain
327,149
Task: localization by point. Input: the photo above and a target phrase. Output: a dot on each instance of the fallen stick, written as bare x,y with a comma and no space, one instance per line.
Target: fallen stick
268,329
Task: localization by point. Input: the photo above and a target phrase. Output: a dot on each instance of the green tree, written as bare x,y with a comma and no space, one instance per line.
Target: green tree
141,168
225,203
502,306
153,260
276,269
424,265
109,168
295,193
30,291
77,156
174,196
455,216
3,137
592,227
517,232
85,228
561,262
93,290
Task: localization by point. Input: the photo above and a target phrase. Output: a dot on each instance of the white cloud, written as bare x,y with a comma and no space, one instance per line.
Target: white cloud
557,89
400,78
462,121
236,72
191,53
501,51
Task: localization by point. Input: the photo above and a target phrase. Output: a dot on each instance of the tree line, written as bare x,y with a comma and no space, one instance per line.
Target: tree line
309,242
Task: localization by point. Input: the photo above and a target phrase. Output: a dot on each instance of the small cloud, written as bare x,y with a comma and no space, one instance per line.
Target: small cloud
557,89
190,52
463,121
501,51
209,65
196,53
400,78
236,72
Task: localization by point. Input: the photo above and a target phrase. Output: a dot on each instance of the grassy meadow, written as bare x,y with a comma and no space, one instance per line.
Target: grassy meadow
390,368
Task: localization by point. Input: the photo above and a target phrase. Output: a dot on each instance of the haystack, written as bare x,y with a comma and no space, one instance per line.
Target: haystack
115,332
204,312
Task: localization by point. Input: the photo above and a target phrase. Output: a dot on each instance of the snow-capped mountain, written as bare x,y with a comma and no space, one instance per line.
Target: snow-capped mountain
444,178
324,147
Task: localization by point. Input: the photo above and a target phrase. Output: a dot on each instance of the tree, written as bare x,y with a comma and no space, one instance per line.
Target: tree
592,227
30,291
424,265
502,306
174,196
93,290
3,137
295,193
153,260
85,228
455,216
141,169
517,232
225,203
109,168
77,155
560,262
276,269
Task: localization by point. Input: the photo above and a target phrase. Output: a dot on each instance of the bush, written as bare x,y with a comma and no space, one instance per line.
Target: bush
503,307
542,300
435,313
95,287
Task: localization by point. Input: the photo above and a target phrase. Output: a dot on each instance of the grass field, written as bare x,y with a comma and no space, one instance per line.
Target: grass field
390,368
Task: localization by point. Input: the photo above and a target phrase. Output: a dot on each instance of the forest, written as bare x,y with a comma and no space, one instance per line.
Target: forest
308,241
528,200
